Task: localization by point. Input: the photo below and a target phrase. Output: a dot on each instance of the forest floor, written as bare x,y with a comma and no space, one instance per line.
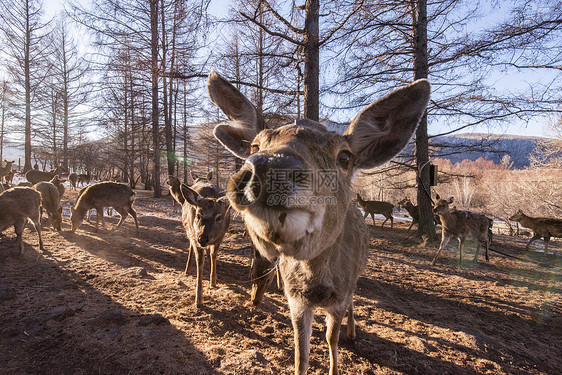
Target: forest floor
118,302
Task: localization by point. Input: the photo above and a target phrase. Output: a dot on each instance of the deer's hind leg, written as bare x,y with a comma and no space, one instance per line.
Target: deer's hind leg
333,324
350,322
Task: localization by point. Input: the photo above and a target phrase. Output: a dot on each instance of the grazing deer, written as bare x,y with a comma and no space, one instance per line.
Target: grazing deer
414,211
205,217
6,170
376,207
541,226
104,194
462,225
50,201
73,179
16,206
317,234
35,176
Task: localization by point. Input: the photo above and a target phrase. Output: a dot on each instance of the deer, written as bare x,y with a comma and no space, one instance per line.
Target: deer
317,235
377,207
84,179
541,226
59,184
104,194
17,205
414,211
34,176
6,170
73,179
205,218
262,273
462,225
50,202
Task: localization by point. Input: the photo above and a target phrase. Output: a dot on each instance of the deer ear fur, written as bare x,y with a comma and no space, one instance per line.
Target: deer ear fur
245,121
381,130
189,194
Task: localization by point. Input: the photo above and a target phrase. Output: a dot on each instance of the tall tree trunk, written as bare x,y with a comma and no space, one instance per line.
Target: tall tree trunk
64,106
27,78
312,60
426,225
155,128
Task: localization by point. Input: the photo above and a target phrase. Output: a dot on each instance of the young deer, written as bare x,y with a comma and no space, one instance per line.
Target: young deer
462,225
104,194
174,185
542,226
414,211
317,234
377,207
50,201
16,206
6,170
205,217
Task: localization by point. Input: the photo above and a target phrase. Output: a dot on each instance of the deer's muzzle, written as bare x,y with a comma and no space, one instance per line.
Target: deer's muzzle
263,179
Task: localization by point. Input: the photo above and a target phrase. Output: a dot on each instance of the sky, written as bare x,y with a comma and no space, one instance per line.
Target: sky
534,128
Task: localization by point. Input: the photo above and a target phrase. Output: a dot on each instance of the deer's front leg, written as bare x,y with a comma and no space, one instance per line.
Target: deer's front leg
213,261
301,317
189,256
444,241
199,259
461,242
333,324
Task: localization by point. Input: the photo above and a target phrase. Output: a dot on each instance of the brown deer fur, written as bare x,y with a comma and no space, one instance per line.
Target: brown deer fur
73,178
35,176
462,225
542,226
321,243
50,202
377,207
205,217
174,185
6,170
414,211
16,206
104,194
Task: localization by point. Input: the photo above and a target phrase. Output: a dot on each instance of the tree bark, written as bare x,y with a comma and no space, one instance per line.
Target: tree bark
426,225
155,128
312,60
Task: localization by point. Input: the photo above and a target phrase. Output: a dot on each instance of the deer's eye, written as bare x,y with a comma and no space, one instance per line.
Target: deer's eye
254,149
344,159
218,218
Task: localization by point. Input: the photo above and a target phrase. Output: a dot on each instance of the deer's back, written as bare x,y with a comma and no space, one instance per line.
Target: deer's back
19,202
35,176
465,224
105,194
50,195
544,226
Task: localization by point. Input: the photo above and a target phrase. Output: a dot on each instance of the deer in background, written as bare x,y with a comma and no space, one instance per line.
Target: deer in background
17,205
73,179
174,185
84,179
462,225
414,211
321,244
6,170
377,207
205,217
35,176
541,226
104,194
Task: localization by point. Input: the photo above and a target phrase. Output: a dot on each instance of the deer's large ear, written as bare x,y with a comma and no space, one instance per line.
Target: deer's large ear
189,194
384,128
245,121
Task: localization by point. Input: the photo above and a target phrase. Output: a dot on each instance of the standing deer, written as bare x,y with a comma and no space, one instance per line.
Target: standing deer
6,170
16,206
35,176
317,234
414,211
174,185
73,179
84,179
205,217
377,207
104,194
542,226
462,225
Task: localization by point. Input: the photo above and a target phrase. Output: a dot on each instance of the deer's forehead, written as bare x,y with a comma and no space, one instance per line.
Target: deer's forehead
300,135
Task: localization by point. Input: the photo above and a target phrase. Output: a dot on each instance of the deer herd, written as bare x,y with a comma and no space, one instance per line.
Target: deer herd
294,193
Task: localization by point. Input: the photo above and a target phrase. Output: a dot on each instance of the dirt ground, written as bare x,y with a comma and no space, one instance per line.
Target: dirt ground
120,303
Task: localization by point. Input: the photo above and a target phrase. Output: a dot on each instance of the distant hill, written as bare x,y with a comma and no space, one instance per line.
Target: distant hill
472,146
492,147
